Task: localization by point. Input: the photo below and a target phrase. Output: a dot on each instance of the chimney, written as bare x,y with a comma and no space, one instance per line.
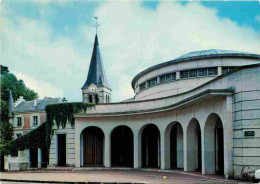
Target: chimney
64,100
18,101
35,103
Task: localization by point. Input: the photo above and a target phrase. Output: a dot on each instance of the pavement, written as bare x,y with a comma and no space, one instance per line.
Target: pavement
110,176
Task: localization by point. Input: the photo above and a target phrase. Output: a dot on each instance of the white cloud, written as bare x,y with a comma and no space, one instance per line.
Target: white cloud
44,89
131,37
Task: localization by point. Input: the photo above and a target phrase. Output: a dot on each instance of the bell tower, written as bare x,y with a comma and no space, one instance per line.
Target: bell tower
96,89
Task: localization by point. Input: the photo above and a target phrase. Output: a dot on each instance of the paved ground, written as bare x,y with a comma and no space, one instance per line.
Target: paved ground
118,176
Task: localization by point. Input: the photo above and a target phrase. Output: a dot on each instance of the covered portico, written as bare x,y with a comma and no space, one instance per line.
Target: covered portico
194,134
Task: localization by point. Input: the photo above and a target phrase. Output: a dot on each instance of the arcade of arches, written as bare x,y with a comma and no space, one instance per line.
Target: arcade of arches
180,148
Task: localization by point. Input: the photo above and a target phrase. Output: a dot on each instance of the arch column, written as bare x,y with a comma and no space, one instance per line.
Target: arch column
107,152
137,150
165,150
208,150
78,147
185,151
228,140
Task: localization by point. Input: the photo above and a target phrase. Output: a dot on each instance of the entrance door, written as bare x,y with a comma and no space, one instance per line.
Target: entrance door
61,149
34,157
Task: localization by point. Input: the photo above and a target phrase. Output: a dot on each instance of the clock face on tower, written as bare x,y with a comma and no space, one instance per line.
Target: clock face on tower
92,89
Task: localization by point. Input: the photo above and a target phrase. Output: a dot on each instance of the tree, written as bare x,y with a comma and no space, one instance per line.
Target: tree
9,82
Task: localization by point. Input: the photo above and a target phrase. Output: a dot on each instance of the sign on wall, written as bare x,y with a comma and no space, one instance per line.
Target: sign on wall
249,133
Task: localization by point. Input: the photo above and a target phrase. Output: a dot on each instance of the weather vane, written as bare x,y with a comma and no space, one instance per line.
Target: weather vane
96,25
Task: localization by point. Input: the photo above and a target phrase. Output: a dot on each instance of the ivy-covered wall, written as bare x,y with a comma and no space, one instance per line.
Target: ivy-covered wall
41,136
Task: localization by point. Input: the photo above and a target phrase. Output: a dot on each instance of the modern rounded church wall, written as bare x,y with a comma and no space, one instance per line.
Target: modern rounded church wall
180,83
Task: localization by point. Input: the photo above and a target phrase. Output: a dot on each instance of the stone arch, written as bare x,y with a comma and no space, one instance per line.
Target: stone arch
150,146
173,146
194,146
92,146
122,146
213,145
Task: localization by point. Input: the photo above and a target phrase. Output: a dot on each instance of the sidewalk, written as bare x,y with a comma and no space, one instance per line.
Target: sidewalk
113,176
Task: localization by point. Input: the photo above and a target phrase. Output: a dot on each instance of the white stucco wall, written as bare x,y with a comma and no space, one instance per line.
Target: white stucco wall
70,145
183,85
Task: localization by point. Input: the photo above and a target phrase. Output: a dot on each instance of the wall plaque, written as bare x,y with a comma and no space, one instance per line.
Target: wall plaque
249,133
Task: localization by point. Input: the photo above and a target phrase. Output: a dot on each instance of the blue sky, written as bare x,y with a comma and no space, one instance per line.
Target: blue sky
48,44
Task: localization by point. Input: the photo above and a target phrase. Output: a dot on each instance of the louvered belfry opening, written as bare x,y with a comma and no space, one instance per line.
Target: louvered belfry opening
93,141
122,153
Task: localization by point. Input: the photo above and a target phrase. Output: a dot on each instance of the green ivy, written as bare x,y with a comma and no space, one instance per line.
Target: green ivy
41,136
61,113
33,139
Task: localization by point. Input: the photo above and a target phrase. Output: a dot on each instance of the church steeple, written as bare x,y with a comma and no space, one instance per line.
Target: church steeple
96,72
96,88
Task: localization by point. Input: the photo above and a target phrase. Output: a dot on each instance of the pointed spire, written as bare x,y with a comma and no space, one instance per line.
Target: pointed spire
10,104
96,73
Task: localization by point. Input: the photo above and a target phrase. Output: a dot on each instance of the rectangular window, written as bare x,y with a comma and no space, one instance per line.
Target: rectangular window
35,120
184,74
212,71
173,76
168,78
142,86
162,79
18,135
152,82
226,69
192,73
202,72
19,121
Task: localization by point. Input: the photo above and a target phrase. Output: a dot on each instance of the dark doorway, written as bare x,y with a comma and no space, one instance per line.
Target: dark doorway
173,145
2,166
61,149
34,157
45,157
151,147
93,139
122,153
219,143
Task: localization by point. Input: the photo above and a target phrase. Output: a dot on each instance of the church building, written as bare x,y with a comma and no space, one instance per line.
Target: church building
198,112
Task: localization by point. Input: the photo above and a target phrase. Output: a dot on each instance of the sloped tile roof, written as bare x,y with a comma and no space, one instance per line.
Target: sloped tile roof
28,106
96,73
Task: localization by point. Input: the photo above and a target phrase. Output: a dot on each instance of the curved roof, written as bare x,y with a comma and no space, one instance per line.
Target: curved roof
203,53
212,53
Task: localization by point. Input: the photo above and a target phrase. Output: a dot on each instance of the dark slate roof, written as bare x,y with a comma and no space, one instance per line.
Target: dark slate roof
28,106
203,54
96,73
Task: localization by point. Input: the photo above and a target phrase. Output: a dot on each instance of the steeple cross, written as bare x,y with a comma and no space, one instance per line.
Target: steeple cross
96,25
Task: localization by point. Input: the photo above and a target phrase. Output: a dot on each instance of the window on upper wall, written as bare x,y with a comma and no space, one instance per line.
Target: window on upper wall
96,99
203,72
227,69
184,74
18,135
152,82
142,86
213,71
168,78
192,73
35,120
90,99
19,121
